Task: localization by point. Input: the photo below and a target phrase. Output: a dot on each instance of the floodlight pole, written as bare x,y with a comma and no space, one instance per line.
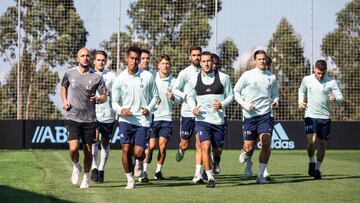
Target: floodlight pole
18,101
216,25
118,41
311,35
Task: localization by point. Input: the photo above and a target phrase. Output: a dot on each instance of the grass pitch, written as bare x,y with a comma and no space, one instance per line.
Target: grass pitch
44,176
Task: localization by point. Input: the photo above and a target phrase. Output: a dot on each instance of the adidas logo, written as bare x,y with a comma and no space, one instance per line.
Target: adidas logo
279,139
44,134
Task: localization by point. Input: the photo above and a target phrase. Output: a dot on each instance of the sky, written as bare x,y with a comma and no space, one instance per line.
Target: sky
249,24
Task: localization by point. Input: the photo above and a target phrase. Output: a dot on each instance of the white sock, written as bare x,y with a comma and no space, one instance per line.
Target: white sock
77,165
209,174
86,176
94,152
104,155
129,177
318,165
198,169
158,168
145,165
311,159
261,169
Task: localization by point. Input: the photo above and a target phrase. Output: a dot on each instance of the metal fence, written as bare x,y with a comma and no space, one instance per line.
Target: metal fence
39,38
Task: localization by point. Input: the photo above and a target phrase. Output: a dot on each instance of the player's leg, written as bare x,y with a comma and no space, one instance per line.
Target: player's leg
265,139
216,160
94,152
249,137
165,133
198,178
106,134
323,134
161,157
148,157
141,142
310,130
187,125
217,151
127,131
265,125
88,131
73,129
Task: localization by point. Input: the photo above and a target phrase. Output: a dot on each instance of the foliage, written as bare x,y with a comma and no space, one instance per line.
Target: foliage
289,65
51,33
342,46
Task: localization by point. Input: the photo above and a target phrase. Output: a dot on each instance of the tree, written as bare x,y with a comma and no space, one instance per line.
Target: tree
289,65
110,46
173,26
228,53
342,46
51,33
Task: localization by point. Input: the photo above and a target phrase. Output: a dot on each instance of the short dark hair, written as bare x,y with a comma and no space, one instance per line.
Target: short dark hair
133,49
101,52
164,56
145,51
206,53
194,48
268,61
260,51
321,65
215,56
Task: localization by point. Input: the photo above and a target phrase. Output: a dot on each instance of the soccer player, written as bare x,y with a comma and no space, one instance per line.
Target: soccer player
105,117
320,90
212,92
216,152
161,127
181,89
145,61
249,163
134,95
78,88
145,65
257,91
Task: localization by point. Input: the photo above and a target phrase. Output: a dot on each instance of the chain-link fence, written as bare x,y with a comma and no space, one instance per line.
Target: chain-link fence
39,38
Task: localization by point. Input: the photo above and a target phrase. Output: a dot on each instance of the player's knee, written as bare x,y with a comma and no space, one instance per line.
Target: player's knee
322,143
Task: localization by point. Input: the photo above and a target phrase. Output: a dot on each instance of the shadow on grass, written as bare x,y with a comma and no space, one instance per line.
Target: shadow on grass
239,180
10,194
228,180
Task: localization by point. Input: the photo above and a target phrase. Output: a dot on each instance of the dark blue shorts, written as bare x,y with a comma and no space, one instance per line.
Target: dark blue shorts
214,133
161,128
133,134
321,127
253,127
187,126
105,129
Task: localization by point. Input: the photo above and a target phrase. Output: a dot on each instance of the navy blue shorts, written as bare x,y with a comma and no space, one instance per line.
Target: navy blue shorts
214,133
187,126
321,127
133,134
84,132
105,129
161,128
253,127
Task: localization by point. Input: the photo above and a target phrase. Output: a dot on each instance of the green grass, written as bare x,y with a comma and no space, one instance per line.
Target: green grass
44,176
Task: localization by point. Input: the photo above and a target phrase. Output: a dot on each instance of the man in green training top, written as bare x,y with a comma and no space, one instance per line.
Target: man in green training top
321,90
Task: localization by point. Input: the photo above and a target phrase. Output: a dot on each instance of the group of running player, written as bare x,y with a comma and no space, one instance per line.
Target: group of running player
142,99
